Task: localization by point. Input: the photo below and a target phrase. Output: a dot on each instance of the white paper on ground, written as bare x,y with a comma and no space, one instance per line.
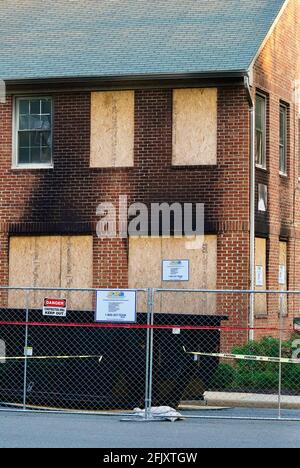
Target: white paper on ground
164,412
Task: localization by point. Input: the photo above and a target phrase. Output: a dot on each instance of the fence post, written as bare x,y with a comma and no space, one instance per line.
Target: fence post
149,356
151,349
281,308
25,349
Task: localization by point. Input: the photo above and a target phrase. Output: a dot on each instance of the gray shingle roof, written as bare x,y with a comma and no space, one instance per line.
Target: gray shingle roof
99,38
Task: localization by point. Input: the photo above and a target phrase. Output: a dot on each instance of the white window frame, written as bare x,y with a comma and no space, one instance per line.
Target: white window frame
284,107
264,165
15,162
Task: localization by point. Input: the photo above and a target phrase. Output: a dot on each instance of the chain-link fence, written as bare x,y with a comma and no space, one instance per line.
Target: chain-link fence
208,359
69,362
190,349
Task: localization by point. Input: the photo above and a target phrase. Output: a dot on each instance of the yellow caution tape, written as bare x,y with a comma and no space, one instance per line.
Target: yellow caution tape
246,357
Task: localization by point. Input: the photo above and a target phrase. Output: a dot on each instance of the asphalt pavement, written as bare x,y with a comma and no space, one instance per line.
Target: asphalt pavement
19,430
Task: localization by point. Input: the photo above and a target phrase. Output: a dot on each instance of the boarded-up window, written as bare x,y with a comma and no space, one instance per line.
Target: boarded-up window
282,278
260,276
51,261
145,270
194,127
112,129
299,146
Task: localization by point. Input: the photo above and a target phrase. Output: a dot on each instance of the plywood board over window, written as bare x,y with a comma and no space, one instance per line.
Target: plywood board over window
260,276
112,129
51,261
194,127
145,263
282,278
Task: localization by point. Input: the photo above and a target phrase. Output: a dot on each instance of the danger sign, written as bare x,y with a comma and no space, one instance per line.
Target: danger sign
55,307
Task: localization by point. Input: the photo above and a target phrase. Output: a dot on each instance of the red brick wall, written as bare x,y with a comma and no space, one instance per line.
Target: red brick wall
64,200
275,71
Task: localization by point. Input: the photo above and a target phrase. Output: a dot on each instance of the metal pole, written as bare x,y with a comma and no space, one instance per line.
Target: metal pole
252,174
151,350
252,221
147,412
25,351
281,306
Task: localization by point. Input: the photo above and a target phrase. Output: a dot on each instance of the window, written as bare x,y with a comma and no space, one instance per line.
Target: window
51,261
260,131
282,279
299,147
153,250
112,129
283,140
262,197
260,301
33,132
195,127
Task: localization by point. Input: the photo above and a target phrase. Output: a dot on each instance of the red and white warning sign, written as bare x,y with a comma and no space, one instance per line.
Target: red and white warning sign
55,307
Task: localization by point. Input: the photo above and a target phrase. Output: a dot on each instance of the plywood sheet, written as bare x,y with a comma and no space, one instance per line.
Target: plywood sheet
203,274
33,262
260,261
145,261
283,300
194,127
283,257
144,266
51,262
112,129
77,270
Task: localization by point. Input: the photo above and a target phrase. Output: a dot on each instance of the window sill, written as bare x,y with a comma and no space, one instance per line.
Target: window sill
109,168
283,174
262,316
261,168
195,166
30,167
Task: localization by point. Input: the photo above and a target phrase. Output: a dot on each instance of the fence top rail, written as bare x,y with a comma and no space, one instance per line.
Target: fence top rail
28,288
226,291
159,290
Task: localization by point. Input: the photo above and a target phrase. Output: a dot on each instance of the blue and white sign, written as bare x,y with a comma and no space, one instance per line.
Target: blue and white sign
175,270
282,275
259,275
116,306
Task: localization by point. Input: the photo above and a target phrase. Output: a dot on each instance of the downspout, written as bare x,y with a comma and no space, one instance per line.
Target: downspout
252,207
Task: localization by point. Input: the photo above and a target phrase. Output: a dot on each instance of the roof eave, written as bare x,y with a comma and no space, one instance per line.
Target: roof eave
127,78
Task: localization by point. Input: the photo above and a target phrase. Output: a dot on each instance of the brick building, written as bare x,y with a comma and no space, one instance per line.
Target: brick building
151,100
